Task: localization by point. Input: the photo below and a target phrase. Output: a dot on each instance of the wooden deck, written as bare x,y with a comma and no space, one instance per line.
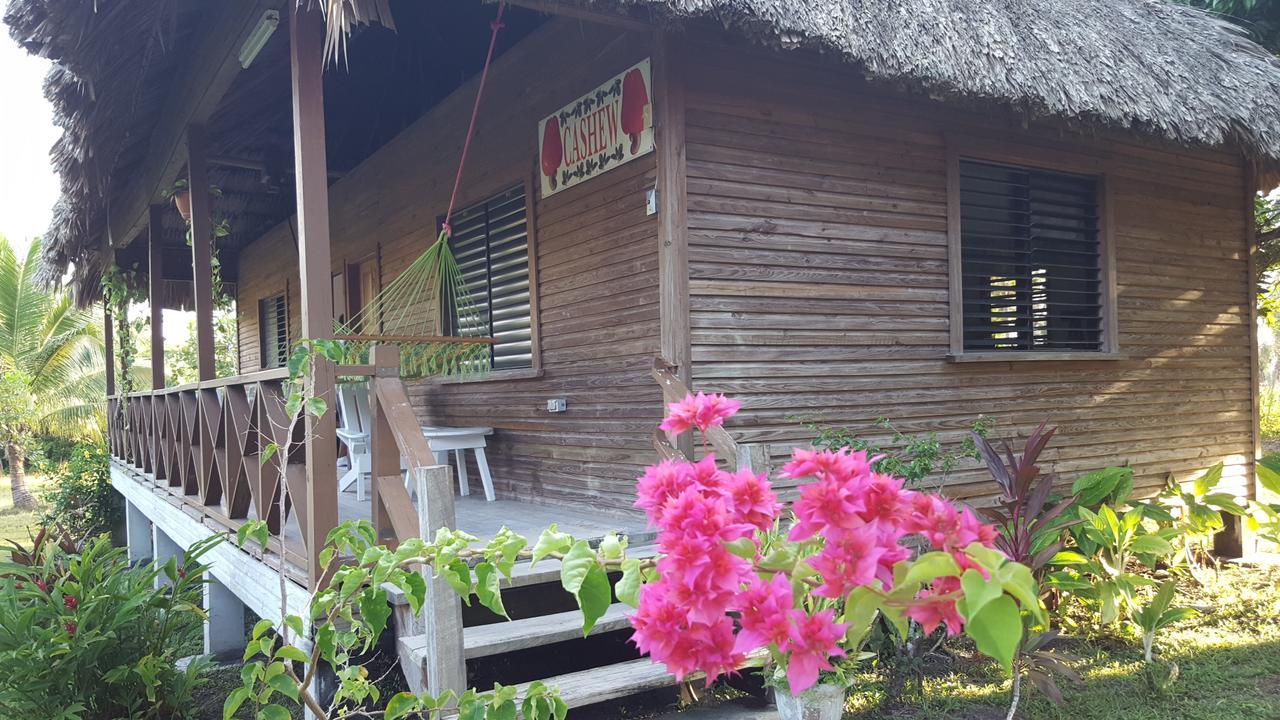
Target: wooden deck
484,519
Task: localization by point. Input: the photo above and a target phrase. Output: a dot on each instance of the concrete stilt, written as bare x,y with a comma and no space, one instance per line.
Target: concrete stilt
165,548
224,635
137,534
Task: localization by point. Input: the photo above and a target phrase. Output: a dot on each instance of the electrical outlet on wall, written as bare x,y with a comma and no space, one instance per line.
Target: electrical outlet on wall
557,405
651,201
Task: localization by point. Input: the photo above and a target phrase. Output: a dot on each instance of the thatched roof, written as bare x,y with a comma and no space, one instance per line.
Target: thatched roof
1151,66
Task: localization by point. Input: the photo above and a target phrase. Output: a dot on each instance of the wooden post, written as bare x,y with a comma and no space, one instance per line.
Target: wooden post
306,59
384,455
673,213
109,350
444,664
155,271
201,237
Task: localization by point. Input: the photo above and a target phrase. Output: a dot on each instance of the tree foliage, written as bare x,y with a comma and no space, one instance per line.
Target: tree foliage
52,377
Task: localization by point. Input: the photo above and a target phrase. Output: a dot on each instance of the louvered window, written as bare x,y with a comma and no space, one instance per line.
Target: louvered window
273,321
491,244
1030,252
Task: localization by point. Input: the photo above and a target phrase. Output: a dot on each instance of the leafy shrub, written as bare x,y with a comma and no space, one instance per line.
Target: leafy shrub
86,636
910,457
1269,412
46,454
81,499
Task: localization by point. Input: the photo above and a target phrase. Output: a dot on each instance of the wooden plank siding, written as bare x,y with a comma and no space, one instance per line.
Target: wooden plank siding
818,263
595,256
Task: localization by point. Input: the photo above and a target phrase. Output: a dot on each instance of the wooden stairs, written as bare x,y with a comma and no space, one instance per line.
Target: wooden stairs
609,679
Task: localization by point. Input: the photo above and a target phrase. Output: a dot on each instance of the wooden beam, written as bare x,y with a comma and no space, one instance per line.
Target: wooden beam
673,212
155,272
201,254
193,97
109,350
306,60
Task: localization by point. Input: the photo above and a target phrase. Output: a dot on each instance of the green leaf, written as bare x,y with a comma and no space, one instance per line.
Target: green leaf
549,542
274,712
743,547
233,702
401,704
978,592
375,609
594,597
458,575
997,630
1204,484
628,586
1269,473
316,406
488,588
261,627
927,567
1095,487
284,685
291,652
1151,545
577,562
267,453
1068,557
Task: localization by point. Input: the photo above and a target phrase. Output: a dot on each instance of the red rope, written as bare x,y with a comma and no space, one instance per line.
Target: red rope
494,26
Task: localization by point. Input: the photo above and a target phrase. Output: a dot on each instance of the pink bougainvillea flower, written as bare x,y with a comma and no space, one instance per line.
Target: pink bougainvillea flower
843,464
934,611
751,499
765,614
665,632
706,476
815,639
659,484
848,561
885,499
701,411
826,508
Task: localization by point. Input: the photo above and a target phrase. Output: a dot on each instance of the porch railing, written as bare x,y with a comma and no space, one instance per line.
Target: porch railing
202,443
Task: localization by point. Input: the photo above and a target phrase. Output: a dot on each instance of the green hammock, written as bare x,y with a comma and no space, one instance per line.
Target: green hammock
430,314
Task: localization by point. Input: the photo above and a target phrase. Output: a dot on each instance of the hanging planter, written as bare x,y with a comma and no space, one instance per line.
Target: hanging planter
182,201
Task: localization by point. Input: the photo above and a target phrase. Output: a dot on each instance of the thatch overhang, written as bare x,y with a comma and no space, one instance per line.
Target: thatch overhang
1149,66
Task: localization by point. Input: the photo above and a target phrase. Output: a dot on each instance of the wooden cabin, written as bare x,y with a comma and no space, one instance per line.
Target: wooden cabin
832,211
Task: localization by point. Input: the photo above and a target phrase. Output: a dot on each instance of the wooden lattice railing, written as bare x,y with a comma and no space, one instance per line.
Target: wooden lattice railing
203,440
203,443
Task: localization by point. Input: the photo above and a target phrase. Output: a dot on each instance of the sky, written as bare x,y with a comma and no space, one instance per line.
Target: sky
28,186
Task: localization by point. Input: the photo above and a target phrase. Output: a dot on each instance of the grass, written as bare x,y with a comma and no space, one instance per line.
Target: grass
1228,662
16,525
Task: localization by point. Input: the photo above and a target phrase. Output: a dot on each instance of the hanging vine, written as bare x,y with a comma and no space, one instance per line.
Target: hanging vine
118,292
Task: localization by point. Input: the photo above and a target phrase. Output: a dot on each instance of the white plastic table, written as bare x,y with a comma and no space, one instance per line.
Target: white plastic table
461,439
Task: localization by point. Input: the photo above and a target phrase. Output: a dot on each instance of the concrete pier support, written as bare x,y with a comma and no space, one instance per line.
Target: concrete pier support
137,534
164,548
224,635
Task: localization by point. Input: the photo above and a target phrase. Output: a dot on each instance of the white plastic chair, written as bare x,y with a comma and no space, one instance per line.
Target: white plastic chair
353,431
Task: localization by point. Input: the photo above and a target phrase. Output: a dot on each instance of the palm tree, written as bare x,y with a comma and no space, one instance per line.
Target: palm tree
52,377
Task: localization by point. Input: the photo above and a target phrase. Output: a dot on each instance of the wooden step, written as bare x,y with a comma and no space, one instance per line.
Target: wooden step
588,687
502,637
